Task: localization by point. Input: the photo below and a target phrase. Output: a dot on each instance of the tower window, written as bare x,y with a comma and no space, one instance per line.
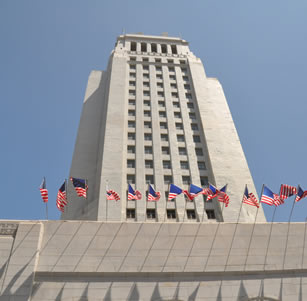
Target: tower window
143,47
131,136
196,139
210,214
168,180
194,126
165,150
146,75
131,179
172,77
132,74
149,179
174,49
186,86
191,214
188,95
180,138
176,104
160,94
160,85
167,164
131,149
148,149
179,126
145,59
146,93
170,61
185,78
146,84
130,163
131,124
130,213
163,125
182,151
147,103
171,213
132,83
132,92
163,48
153,47
190,105
161,103
192,115
184,164
171,69
186,180
162,114
201,165
204,181
174,86
131,102
147,114
158,68
147,124
147,136
174,94
131,112
133,46
164,137
177,114
159,76
151,213
199,152
132,67
148,164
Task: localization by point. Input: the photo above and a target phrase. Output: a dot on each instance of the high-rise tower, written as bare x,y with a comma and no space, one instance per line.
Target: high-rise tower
154,117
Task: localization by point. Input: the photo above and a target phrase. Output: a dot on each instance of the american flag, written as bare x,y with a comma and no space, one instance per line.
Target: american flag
153,195
300,194
211,192
112,195
277,200
61,200
133,195
188,195
222,196
44,191
250,199
286,191
80,186
195,190
174,191
267,196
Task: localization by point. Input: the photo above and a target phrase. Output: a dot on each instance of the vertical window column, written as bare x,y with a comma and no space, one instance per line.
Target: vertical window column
173,143
156,137
139,143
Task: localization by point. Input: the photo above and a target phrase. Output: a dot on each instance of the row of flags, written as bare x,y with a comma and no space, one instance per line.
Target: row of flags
80,186
267,197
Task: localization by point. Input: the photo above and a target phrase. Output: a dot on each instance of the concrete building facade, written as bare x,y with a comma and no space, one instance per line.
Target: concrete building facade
154,117
91,261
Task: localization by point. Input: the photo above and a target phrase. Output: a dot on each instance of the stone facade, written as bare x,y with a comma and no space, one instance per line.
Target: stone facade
154,117
79,260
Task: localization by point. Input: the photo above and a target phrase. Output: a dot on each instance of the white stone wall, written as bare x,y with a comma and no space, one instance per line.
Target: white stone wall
78,260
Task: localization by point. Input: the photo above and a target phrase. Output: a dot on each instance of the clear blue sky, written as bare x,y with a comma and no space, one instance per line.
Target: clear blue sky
257,50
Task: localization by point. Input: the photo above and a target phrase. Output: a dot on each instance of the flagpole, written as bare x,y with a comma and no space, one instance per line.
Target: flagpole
204,209
46,210
86,188
240,209
250,241
185,207
107,202
288,230
66,188
267,249
165,212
